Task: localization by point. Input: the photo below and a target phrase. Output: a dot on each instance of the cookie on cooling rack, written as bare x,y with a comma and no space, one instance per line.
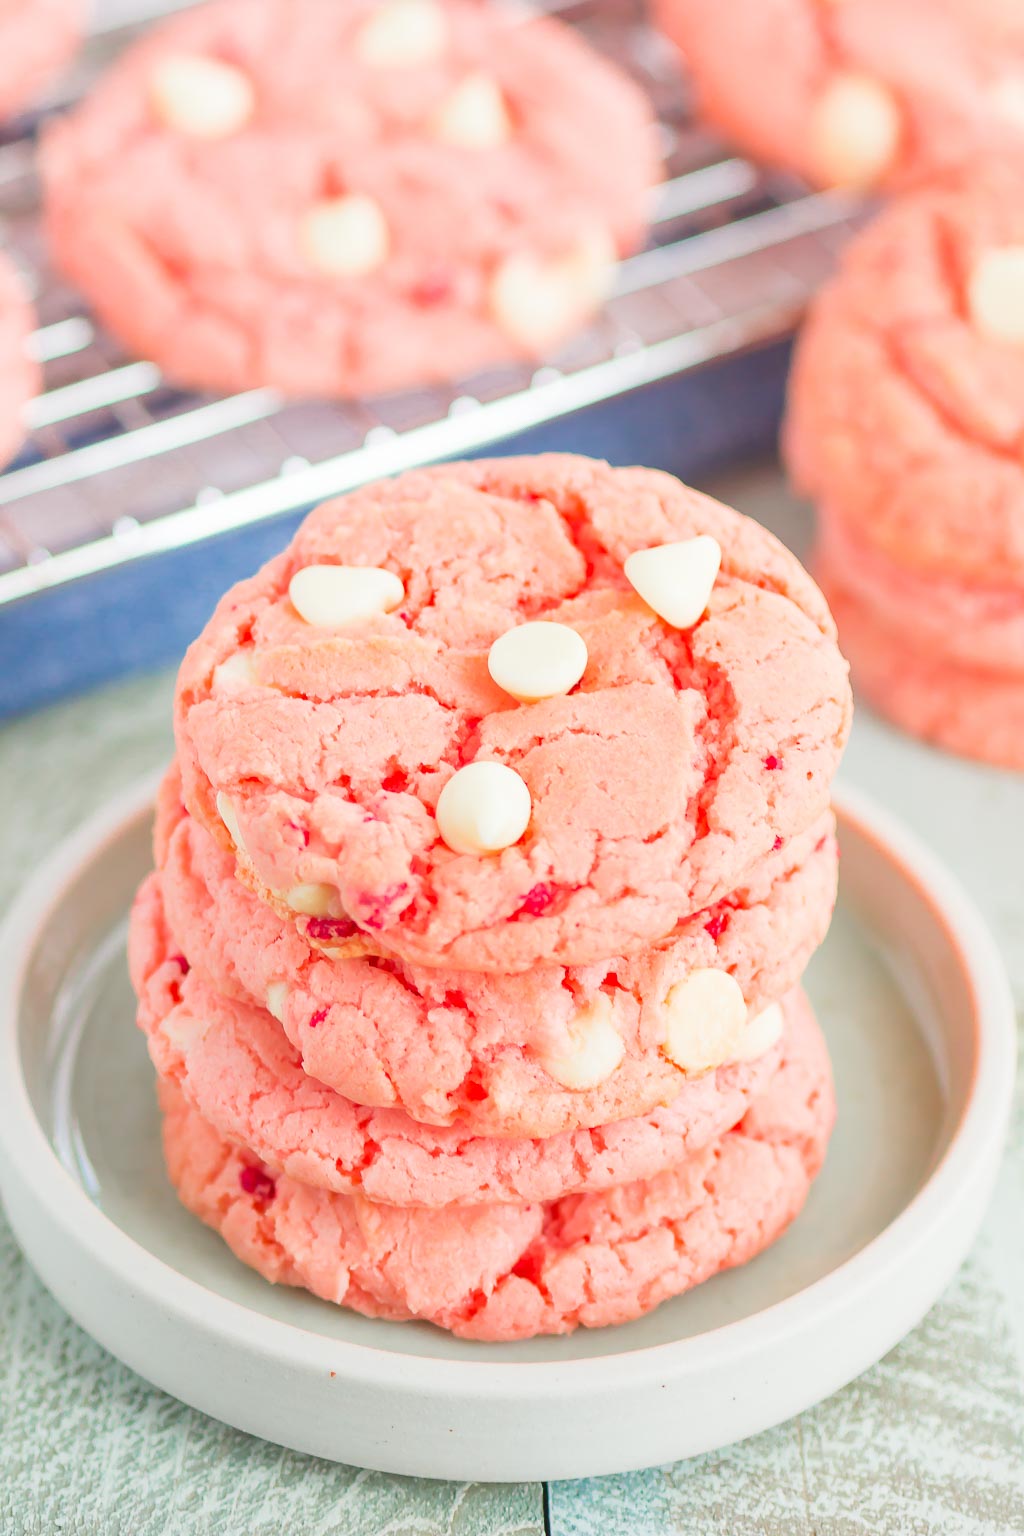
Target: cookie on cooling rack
37,37
18,373
906,421
340,199
857,92
512,1271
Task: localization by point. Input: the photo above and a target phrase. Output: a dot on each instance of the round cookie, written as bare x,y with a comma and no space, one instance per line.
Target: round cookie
37,37
341,199
234,1063
319,746
19,375
861,93
533,1054
510,1272
906,425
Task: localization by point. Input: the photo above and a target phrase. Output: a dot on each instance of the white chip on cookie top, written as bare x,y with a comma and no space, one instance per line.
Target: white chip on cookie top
536,300
314,900
762,1032
401,34
183,1029
473,115
705,1019
228,815
277,997
1006,96
345,236
331,596
483,808
995,295
597,1047
676,580
234,673
855,130
539,660
202,97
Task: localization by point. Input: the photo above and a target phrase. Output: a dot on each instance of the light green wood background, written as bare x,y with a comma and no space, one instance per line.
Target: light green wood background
929,1443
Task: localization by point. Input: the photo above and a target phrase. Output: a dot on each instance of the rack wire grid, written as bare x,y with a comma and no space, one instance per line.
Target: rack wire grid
119,465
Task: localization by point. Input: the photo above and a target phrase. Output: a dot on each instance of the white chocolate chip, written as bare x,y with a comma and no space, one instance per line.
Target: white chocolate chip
330,596
676,580
995,295
473,115
537,300
183,1029
763,1031
1007,100
277,997
201,97
229,816
402,33
314,900
597,1047
235,673
705,1017
483,808
855,131
345,236
537,661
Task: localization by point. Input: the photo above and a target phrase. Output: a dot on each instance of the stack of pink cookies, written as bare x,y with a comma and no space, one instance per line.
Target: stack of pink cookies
906,425
496,844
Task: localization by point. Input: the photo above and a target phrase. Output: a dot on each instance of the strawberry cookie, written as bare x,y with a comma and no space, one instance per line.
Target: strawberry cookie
906,425
860,93
532,1054
18,373
491,715
37,37
235,1064
339,199
500,1272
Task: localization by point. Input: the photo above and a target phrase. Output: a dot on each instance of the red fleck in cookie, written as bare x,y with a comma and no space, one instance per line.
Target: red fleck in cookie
37,37
512,1271
18,373
336,199
235,1064
533,1054
343,725
906,425
858,93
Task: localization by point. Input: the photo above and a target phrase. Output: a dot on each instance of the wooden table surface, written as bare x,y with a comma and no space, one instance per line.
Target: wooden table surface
928,1443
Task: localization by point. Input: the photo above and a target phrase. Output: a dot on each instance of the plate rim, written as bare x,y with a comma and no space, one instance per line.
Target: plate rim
26,1153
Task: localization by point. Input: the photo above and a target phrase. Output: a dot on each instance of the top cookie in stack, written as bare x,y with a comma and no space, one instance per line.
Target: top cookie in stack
529,715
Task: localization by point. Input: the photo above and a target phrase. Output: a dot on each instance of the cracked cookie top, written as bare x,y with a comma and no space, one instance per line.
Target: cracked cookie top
906,412
320,724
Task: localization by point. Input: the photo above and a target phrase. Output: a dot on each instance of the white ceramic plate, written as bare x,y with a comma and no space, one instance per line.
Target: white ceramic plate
918,1017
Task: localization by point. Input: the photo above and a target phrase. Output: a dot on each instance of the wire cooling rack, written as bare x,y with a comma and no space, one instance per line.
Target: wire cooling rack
119,465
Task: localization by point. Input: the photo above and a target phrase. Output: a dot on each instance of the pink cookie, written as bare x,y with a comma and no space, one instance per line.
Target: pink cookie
857,92
236,1065
508,1272
18,373
343,198
459,1045
37,37
906,424
692,748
